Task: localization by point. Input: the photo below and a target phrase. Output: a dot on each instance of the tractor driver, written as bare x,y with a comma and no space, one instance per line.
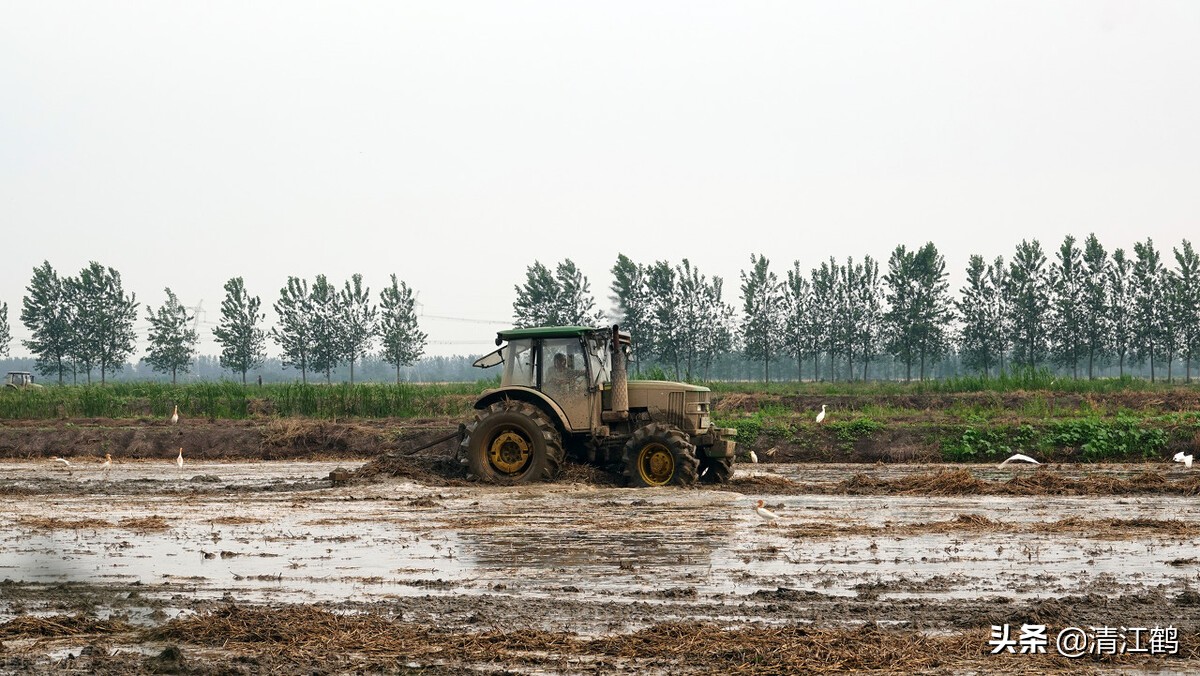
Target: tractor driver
562,377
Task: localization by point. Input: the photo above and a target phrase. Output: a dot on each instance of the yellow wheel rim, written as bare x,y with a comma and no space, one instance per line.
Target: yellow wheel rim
656,464
509,451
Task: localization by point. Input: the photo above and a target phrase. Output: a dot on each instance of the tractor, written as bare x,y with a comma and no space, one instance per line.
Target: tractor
20,380
565,390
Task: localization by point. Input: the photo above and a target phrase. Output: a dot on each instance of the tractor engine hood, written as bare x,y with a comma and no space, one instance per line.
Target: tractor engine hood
654,393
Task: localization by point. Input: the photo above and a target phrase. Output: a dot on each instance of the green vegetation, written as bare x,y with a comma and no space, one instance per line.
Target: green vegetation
1019,380
233,400
1093,438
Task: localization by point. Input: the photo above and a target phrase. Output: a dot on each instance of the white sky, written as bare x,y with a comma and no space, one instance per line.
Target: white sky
453,143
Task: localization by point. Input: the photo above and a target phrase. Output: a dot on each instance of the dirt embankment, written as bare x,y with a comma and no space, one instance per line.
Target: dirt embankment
275,439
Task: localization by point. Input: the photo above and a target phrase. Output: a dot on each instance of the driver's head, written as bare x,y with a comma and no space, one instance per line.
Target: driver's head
560,361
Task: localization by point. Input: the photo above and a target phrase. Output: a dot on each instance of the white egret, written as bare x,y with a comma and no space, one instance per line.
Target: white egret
821,415
766,514
1185,459
179,460
1019,457
175,416
107,464
753,456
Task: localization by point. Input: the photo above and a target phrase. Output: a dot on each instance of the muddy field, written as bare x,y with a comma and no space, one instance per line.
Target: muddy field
266,567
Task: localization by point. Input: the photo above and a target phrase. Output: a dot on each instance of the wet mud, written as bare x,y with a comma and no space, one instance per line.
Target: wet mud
267,567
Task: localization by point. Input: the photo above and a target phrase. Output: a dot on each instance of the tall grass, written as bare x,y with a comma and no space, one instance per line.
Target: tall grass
232,400
1008,381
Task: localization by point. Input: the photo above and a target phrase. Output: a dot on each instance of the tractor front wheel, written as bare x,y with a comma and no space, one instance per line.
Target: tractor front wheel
512,442
658,455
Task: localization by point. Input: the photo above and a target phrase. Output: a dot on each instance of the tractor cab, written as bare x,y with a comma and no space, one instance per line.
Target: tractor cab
571,366
20,379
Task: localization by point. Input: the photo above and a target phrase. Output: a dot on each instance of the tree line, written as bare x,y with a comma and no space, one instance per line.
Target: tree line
84,324
1078,311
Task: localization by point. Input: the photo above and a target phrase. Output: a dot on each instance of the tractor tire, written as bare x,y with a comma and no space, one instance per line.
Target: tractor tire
660,455
512,442
716,470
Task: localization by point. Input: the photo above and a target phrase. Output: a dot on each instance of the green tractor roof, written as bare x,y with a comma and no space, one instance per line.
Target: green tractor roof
545,332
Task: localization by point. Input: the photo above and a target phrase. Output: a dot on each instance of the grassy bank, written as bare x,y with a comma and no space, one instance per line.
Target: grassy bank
228,400
967,428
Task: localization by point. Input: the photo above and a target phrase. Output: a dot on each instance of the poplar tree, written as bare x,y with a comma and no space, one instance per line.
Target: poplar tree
243,343
328,335
825,315
1068,317
918,295
358,320
1096,322
798,319
1187,303
403,342
172,340
977,316
294,333
5,334
1149,301
104,318
665,313
1121,307
869,299
1028,299
48,317
631,304
559,299
762,298
574,304
717,338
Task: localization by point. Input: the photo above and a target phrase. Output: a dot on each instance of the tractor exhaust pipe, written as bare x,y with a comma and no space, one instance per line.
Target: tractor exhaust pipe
620,379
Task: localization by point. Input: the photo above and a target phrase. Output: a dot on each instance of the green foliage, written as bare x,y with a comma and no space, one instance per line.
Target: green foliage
748,428
172,342
242,342
1100,439
560,299
919,307
853,430
358,320
764,306
1094,438
47,315
5,336
327,328
403,342
655,373
103,319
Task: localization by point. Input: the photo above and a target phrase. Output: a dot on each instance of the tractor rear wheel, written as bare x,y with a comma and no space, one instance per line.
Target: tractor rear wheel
658,455
716,470
512,442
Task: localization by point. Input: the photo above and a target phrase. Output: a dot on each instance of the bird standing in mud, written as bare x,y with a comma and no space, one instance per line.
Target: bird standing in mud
766,514
1185,459
175,416
179,460
821,415
107,466
63,461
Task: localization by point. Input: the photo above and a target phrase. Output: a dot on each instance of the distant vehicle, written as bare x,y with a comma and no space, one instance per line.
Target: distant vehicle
20,380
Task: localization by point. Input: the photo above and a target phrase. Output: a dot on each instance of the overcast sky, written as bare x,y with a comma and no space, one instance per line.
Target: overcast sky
453,143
